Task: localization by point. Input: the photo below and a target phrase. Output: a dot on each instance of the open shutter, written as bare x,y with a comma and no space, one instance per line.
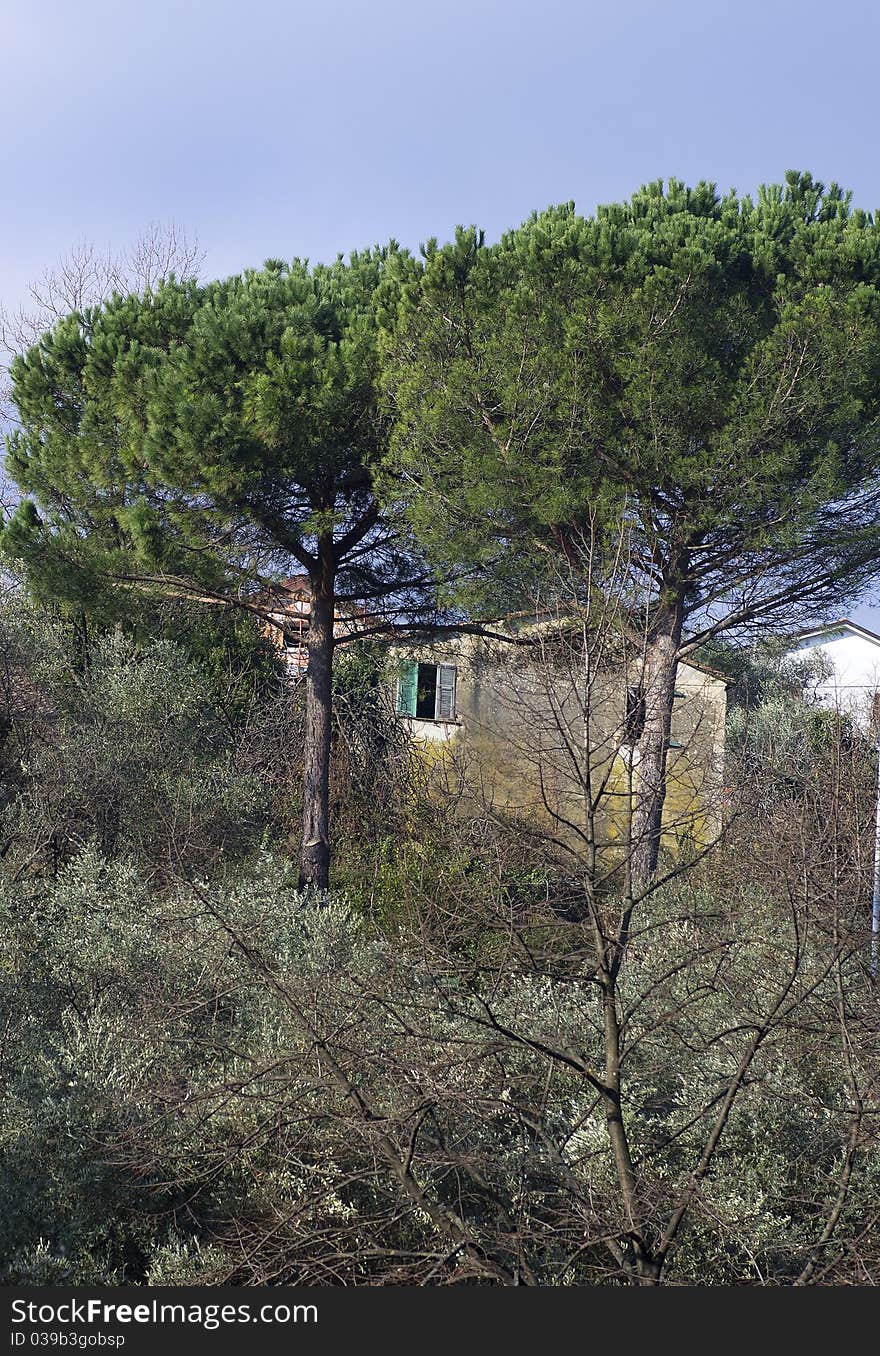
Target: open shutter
445,692
407,686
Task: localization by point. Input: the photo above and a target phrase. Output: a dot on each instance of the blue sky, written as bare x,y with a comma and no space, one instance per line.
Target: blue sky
274,128
279,129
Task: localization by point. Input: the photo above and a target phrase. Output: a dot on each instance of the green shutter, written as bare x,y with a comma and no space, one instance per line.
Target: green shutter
407,686
445,692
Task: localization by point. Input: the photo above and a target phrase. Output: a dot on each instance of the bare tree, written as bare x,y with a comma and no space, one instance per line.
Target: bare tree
87,275
500,1062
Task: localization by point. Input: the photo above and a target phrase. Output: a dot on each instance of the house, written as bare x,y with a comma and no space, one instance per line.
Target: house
847,660
507,721
515,726
286,608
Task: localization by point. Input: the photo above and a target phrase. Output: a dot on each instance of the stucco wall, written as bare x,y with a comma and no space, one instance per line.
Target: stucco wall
854,662
523,727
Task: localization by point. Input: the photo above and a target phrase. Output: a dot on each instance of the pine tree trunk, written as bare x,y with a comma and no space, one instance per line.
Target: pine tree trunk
314,859
649,773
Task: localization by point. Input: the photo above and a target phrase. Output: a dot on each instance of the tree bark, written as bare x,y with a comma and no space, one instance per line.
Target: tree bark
314,858
649,773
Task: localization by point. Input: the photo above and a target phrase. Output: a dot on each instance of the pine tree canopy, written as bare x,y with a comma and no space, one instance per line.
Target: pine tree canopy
704,369
206,434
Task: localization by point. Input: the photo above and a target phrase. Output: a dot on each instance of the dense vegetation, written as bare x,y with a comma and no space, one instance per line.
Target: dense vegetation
212,1077
465,1048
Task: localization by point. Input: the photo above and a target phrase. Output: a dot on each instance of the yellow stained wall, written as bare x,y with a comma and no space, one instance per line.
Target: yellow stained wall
525,725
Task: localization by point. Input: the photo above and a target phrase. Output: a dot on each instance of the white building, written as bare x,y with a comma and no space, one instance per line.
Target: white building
850,674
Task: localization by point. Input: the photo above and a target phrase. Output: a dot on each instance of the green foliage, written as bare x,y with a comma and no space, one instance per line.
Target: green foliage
359,672
703,370
209,442
781,741
172,1115
212,1078
397,877
227,645
88,964
204,433
134,750
757,673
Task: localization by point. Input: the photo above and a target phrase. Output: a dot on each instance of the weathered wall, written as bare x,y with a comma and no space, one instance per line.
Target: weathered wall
534,737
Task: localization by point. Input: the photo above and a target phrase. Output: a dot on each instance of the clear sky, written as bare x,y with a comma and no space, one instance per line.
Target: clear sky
274,128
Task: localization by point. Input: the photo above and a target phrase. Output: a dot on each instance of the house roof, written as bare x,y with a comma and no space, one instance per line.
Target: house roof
697,664
844,624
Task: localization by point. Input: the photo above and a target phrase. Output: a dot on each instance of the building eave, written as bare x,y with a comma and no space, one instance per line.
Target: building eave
843,624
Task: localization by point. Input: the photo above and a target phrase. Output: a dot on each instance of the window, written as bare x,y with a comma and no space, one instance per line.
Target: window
426,691
634,720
